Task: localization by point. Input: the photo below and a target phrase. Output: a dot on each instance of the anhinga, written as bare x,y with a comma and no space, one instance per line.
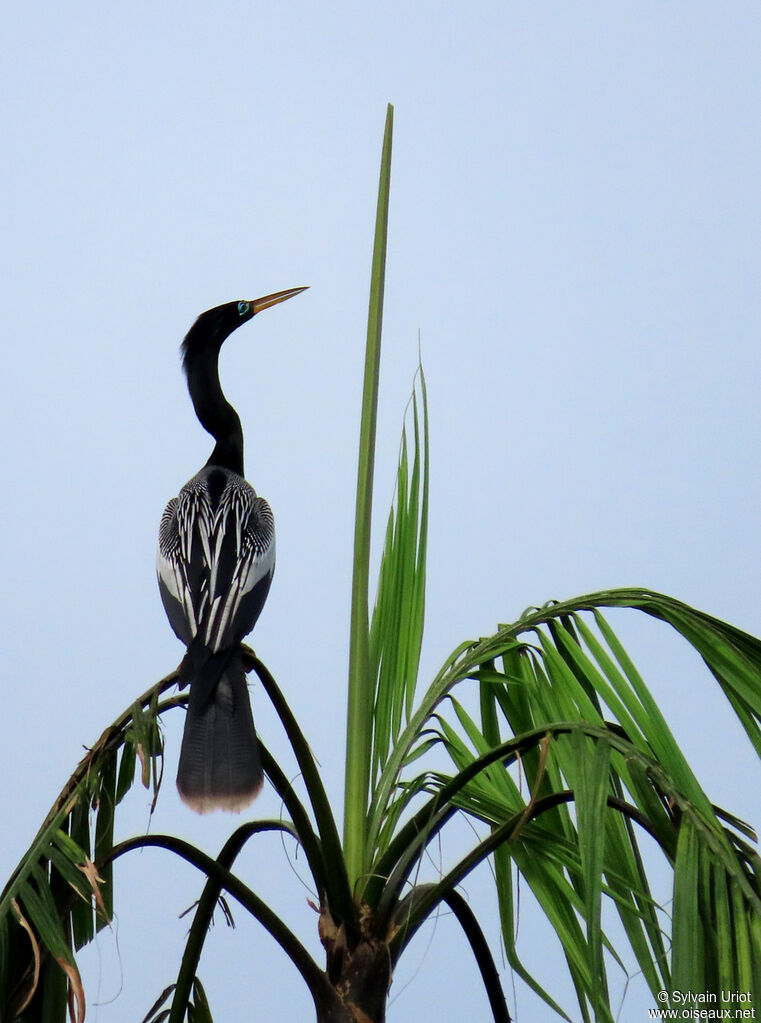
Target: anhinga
215,561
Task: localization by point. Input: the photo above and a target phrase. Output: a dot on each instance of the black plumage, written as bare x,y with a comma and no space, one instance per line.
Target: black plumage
216,557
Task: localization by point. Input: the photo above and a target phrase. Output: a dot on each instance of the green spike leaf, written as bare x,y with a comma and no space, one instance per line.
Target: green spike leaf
360,704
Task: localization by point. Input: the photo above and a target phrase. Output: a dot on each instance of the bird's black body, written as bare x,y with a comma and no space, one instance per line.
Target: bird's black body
215,561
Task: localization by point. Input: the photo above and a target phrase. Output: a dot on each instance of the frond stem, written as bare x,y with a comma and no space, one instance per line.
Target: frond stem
311,973
202,919
335,876
430,897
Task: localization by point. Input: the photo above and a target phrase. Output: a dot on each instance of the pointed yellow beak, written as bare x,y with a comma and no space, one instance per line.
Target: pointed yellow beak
279,296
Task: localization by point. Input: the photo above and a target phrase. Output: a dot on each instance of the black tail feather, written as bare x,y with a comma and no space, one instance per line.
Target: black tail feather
220,767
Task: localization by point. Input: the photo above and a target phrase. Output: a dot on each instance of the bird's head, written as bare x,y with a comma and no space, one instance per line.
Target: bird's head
214,326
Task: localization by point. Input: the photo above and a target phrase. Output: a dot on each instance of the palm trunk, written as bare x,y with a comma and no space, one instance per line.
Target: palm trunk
357,980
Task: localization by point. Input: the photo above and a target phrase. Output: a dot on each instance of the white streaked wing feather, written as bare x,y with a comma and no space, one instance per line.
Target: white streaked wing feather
250,570
188,520
170,566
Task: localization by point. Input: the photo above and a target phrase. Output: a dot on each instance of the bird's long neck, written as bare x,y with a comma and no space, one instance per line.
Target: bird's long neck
214,411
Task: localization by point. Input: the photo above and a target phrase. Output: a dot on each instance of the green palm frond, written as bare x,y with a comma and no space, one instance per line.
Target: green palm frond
56,900
359,722
734,658
396,633
606,768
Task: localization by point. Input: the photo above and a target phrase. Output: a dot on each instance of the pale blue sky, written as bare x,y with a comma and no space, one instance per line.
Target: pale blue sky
574,231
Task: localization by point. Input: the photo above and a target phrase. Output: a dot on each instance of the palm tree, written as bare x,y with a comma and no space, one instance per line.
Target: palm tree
543,734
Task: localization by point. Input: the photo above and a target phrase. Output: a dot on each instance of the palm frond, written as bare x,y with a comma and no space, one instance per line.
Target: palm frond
360,703
563,671
396,633
733,656
56,900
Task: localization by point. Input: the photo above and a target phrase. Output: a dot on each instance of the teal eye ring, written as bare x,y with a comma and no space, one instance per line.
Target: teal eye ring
243,308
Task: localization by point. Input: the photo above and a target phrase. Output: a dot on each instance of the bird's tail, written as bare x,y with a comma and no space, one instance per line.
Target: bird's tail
220,767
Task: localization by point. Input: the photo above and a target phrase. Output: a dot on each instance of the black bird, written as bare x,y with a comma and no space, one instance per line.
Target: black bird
215,561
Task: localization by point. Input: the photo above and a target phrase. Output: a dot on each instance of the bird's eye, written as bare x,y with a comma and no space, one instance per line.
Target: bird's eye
243,308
